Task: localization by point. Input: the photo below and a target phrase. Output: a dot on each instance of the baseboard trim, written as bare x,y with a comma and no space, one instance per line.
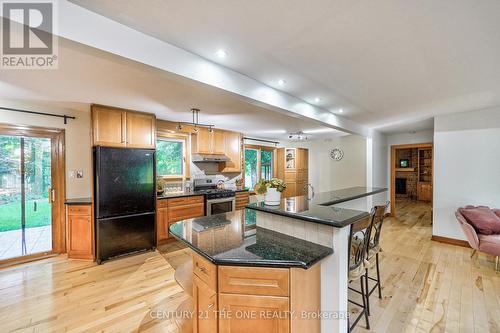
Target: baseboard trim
451,241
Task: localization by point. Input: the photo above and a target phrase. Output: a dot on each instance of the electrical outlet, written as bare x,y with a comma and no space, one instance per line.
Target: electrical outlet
79,174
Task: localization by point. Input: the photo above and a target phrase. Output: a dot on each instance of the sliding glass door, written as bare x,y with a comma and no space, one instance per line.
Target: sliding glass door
26,196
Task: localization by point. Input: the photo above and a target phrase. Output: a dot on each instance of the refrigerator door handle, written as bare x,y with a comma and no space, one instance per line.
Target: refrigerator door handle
124,216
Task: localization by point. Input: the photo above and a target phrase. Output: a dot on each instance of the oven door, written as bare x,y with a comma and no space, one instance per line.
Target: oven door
219,206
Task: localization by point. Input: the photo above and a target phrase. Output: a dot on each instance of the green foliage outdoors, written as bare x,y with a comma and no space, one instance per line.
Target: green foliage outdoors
10,214
37,177
250,167
169,158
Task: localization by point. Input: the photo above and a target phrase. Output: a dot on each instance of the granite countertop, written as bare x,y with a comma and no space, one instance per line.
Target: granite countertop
234,239
321,208
79,201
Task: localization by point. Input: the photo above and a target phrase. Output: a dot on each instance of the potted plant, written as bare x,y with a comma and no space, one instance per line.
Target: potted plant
160,185
239,183
272,190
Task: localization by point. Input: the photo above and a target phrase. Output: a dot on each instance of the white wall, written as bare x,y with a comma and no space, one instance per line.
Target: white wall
466,166
77,136
326,174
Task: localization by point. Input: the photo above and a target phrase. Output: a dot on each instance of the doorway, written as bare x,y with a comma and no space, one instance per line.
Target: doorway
32,192
412,173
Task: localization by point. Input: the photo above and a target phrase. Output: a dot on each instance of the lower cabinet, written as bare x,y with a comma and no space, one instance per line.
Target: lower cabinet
424,191
241,299
242,311
242,199
80,232
204,307
169,211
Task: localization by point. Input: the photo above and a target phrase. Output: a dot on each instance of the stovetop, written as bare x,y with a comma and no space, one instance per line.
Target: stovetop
215,193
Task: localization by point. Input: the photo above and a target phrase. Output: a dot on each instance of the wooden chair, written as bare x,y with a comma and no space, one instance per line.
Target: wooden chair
359,239
373,252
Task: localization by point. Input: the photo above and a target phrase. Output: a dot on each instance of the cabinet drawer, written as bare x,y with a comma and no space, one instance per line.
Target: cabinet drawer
185,200
178,213
254,280
205,270
80,210
161,203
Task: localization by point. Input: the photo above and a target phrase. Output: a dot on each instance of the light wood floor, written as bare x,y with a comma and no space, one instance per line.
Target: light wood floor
427,287
430,286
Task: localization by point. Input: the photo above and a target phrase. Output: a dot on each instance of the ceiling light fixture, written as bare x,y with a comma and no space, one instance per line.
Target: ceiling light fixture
281,82
317,99
195,123
299,136
341,111
221,54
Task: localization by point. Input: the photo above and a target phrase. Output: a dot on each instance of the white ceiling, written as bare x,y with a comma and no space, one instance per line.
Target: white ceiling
87,75
386,63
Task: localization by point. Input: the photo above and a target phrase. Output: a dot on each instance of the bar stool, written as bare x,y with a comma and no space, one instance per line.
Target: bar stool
359,239
373,252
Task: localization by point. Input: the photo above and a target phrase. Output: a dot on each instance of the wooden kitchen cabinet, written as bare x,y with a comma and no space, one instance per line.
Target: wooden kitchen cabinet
293,168
115,127
424,191
141,130
208,142
276,322
169,211
108,126
242,199
233,142
269,294
204,307
80,232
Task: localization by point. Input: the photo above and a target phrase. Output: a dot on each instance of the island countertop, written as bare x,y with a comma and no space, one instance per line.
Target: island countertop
235,239
321,207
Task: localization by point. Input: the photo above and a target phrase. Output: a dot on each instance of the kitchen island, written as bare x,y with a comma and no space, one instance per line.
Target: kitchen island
248,276
307,237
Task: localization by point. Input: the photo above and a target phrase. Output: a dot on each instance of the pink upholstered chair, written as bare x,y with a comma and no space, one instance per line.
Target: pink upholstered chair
485,243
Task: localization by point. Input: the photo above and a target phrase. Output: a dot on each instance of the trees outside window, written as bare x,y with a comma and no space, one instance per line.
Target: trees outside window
170,157
258,164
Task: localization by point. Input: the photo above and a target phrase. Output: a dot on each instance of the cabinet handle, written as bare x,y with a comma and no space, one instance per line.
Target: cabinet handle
211,305
52,194
202,269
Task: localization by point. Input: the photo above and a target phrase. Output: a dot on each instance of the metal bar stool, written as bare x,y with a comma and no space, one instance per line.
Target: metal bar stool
359,239
373,252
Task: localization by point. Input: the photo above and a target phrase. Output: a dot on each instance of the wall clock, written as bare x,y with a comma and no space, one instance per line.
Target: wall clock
336,154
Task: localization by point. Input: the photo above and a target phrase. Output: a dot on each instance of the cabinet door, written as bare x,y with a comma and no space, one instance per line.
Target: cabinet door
233,151
141,130
218,142
80,237
185,212
202,142
204,307
108,126
240,308
162,224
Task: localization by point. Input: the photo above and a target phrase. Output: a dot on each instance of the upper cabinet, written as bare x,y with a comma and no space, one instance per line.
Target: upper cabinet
207,141
233,142
114,127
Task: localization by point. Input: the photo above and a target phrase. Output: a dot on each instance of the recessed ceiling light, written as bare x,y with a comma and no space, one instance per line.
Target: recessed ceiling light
317,99
341,110
281,82
221,54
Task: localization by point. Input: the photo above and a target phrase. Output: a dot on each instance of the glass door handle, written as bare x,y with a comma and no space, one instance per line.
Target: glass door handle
52,194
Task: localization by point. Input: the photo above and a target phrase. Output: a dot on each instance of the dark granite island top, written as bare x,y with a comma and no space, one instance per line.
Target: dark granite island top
321,208
234,239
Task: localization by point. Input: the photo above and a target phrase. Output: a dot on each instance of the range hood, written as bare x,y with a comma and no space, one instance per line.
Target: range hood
209,158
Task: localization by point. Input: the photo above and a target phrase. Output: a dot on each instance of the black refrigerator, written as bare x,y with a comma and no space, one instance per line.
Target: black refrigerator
124,192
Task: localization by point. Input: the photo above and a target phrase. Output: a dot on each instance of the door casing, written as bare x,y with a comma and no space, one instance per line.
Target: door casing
58,180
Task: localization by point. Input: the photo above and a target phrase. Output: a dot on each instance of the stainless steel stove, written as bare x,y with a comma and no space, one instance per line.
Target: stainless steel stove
217,201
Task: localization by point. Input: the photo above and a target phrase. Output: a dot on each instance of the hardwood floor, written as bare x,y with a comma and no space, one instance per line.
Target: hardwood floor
430,286
427,287
61,295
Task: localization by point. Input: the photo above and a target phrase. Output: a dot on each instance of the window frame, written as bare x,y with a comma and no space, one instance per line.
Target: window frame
184,139
259,161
